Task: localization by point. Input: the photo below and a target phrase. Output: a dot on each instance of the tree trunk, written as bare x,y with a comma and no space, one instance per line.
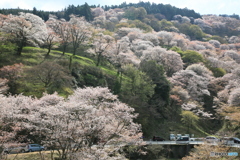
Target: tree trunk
64,49
49,50
19,50
70,62
74,51
99,58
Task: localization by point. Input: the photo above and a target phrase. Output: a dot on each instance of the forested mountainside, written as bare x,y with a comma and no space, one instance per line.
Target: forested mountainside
168,69
167,11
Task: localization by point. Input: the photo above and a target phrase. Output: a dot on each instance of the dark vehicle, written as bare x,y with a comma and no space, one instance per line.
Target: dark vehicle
236,140
158,138
183,139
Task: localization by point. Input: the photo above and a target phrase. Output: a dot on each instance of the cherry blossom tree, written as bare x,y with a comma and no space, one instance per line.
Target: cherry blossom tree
234,39
234,97
195,46
181,19
123,31
10,128
100,44
151,37
196,108
12,73
180,41
51,40
91,122
96,12
229,93
196,85
3,86
215,43
170,60
138,46
26,29
232,54
201,70
80,32
165,37
61,28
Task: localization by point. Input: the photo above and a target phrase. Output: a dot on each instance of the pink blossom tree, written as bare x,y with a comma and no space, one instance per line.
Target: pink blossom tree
3,86
12,73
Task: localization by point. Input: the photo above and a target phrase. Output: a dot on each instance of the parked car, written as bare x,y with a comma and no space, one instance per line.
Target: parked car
158,138
13,148
211,139
172,137
183,139
24,148
33,147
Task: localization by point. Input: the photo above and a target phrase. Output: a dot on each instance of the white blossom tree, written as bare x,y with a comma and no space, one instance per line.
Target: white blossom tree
232,54
170,60
165,37
62,30
215,43
80,32
51,40
92,122
196,108
234,97
196,85
201,70
101,44
26,28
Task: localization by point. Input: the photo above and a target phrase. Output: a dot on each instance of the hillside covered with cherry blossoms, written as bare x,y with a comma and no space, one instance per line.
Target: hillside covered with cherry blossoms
91,75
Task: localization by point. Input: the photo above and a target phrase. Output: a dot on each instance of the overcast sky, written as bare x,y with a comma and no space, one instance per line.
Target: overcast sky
200,6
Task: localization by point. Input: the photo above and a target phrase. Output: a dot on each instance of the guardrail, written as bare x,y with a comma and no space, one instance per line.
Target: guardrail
174,142
188,142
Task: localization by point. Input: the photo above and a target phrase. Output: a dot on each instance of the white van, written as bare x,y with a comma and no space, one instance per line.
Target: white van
172,137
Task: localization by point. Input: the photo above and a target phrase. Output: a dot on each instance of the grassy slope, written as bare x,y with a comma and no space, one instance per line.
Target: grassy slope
32,56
